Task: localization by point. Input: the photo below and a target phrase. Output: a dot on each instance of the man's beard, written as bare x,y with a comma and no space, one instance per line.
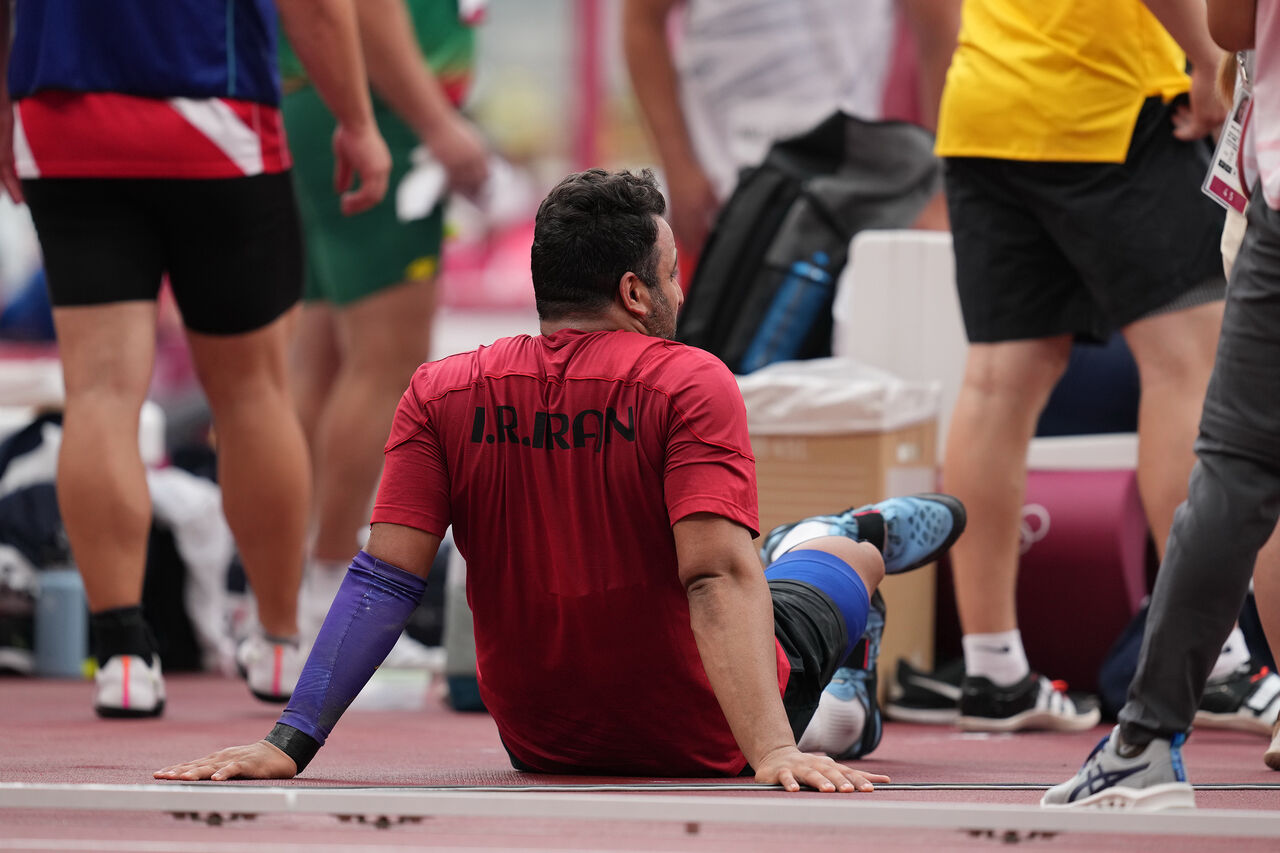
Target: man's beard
661,321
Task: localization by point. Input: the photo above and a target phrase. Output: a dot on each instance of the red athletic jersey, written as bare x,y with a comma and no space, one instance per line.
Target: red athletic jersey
562,461
112,135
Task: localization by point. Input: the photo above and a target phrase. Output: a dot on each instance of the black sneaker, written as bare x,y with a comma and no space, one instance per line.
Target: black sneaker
926,697
1247,700
1035,702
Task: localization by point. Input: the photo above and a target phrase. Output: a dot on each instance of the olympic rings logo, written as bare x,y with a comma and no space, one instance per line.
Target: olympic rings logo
1034,526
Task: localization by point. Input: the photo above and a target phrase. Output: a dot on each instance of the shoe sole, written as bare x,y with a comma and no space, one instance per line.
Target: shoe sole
1234,722
270,697
1170,795
927,716
958,520
1033,719
111,713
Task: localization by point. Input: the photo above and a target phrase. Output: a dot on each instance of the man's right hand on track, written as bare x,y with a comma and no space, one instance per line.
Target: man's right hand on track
791,768
258,760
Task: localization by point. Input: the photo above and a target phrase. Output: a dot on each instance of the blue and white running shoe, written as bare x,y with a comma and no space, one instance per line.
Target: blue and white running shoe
1152,780
918,529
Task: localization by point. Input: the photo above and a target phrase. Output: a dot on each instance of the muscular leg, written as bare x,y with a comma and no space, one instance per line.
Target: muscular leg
262,462
1266,591
383,339
1174,353
107,354
1005,387
314,360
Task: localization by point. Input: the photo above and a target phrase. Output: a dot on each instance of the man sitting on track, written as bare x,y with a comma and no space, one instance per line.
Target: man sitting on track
600,484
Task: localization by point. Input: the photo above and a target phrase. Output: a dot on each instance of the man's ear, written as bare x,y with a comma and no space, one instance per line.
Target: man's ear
634,295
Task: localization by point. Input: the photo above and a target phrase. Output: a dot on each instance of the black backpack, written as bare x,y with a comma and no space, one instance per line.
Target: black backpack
765,282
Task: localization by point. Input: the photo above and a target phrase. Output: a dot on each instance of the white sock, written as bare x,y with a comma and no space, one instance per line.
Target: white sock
998,657
1234,654
803,532
835,727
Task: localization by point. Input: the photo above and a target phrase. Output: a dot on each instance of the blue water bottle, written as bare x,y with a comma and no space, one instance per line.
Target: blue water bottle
62,624
804,294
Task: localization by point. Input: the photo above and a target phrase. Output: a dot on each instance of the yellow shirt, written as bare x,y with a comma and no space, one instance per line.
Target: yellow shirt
1054,80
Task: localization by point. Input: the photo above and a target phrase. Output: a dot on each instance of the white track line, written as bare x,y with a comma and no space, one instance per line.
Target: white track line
811,810
661,787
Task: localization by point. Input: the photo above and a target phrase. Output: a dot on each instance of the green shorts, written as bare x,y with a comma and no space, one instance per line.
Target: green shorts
351,257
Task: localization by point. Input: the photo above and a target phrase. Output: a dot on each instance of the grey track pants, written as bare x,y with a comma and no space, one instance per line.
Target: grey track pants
1232,502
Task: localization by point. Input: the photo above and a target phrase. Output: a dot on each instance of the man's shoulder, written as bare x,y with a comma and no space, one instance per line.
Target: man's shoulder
466,367
665,354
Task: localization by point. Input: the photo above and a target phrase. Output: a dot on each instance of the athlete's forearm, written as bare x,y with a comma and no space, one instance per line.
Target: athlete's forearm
325,37
9,183
653,78
1187,22
397,69
934,25
732,619
370,610
1232,22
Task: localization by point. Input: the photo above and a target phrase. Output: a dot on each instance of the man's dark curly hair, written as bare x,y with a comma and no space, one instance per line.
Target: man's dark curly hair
591,229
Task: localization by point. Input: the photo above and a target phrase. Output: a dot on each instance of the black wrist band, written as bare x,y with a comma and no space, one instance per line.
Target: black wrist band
299,746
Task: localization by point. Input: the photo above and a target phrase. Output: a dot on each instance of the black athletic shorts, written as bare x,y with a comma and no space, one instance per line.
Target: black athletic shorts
814,637
1044,249
232,247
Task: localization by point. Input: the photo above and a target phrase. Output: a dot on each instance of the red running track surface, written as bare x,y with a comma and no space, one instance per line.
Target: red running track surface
50,735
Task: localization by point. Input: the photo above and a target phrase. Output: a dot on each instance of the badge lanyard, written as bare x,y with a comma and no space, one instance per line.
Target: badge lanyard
1225,181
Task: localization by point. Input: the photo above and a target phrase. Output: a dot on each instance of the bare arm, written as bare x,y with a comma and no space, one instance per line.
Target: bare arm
401,75
403,547
653,77
1187,22
934,25
324,35
8,177
732,618
1231,23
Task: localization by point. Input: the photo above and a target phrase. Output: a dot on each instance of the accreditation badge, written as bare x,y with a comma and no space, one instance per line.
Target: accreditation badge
1225,182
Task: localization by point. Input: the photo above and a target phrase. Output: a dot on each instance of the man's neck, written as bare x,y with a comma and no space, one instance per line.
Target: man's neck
612,321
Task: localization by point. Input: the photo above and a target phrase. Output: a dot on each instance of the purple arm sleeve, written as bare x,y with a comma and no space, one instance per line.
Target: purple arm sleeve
370,610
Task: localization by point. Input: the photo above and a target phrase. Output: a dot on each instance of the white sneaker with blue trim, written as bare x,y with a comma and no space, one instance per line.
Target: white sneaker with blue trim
1152,780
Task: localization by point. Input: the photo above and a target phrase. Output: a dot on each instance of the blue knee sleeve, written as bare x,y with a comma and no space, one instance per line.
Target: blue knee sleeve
834,577
370,610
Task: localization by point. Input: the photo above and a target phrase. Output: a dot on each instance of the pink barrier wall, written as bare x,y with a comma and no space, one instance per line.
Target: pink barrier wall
1083,572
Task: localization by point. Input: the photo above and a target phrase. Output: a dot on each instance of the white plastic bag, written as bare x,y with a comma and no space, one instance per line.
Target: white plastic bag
830,396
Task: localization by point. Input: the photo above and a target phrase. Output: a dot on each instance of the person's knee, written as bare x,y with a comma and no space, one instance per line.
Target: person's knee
1177,348
1024,369
105,406
863,557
